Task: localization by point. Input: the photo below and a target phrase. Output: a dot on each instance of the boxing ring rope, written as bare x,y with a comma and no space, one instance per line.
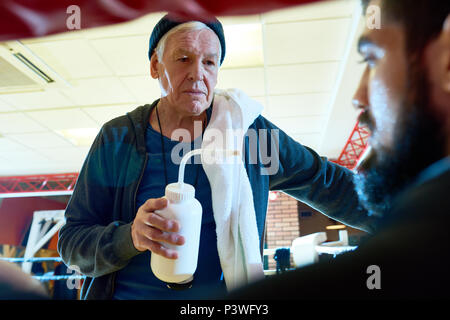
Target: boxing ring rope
304,250
41,231
49,275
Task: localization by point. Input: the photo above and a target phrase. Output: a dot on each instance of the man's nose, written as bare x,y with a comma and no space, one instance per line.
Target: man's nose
196,72
360,99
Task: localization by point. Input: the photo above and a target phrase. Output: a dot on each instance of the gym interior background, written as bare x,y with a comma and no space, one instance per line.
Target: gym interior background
46,128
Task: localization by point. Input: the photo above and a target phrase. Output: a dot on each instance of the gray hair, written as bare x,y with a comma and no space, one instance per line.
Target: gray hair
187,26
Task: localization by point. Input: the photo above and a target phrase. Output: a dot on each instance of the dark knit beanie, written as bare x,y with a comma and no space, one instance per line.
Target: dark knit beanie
165,24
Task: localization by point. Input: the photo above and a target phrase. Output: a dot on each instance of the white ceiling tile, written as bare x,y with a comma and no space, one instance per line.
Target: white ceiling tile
5,106
299,125
8,145
103,114
63,119
7,168
38,100
250,80
144,88
342,115
25,158
261,100
309,41
311,140
124,55
69,35
40,140
233,20
46,167
299,105
302,78
140,26
319,10
99,91
265,113
71,59
19,123
71,154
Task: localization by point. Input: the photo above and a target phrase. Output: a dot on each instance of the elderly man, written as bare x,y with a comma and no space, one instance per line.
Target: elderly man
404,95
112,228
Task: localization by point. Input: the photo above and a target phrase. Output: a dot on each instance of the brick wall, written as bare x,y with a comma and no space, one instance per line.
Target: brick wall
281,224
284,223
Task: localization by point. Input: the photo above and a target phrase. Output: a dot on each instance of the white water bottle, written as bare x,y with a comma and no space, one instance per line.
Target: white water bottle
183,207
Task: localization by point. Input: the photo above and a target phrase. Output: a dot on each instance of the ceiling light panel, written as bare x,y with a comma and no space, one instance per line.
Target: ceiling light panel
244,45
81,137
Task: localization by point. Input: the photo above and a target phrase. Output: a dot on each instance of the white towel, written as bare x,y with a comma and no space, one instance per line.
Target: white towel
232,199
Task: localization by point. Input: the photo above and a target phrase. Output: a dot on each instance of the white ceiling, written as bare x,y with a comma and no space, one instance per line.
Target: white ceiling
299,63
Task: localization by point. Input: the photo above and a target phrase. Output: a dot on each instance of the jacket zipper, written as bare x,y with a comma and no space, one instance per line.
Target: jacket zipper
113,285
139,182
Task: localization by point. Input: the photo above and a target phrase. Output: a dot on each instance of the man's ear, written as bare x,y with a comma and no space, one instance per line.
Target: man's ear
154,66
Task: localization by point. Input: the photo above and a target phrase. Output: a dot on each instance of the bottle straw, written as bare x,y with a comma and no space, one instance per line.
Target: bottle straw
224,153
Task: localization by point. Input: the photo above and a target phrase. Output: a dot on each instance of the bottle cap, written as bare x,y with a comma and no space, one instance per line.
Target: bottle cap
177,192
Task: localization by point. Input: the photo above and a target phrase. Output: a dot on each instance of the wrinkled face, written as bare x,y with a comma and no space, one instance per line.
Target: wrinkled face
188,70
394,96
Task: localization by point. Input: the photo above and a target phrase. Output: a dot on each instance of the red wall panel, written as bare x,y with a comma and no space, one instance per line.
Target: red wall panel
16,215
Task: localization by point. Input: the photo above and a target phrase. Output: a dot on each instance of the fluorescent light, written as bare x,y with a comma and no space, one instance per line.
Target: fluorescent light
80,137
244,45
273,196
336,227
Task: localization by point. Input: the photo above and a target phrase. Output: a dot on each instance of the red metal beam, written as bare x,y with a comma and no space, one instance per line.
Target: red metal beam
38,183
354,147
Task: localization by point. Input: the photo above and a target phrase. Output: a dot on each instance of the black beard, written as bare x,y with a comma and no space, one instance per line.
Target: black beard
418,142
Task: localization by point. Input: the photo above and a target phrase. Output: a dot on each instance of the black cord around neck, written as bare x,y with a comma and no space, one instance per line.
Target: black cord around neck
163,149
